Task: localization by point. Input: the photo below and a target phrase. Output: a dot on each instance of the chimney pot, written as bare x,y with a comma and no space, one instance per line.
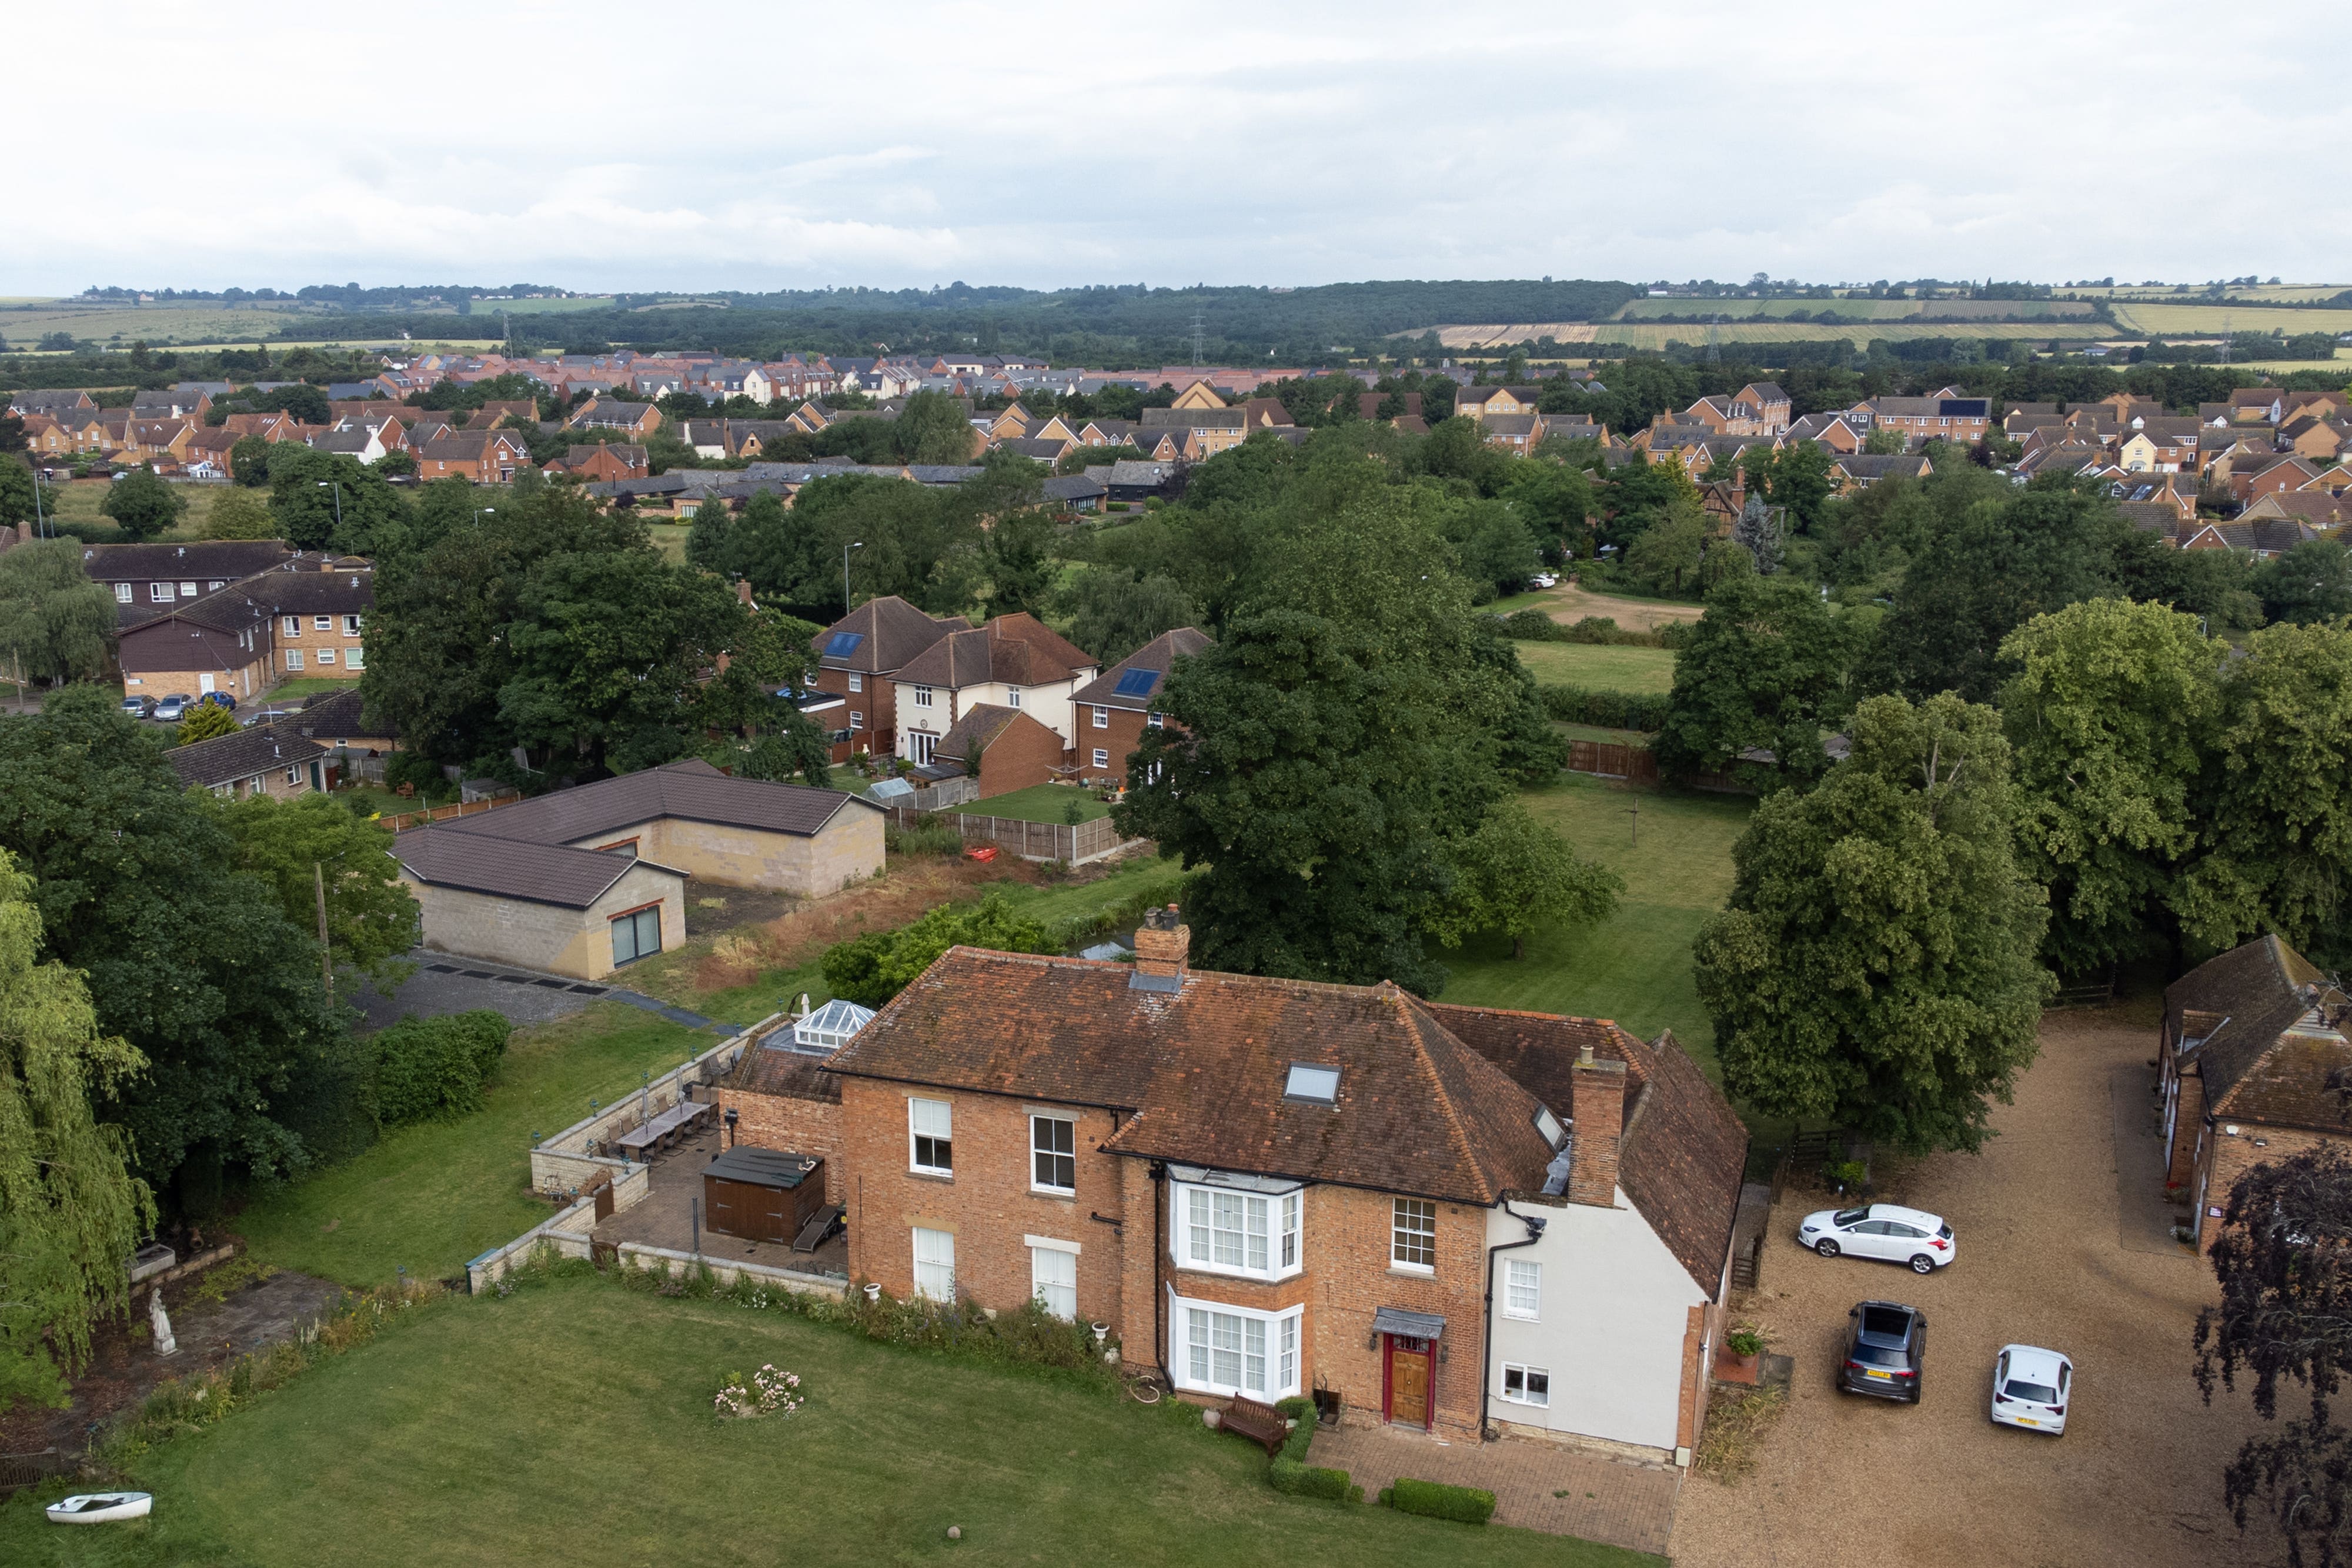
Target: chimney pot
1598,1110
1162,944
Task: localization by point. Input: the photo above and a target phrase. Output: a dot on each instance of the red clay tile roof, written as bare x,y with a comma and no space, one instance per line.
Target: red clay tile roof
976,731
1684,1150
1203,1069
2277,1035
1018,650
786,1073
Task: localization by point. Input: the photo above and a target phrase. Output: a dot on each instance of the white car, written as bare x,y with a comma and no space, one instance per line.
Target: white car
2029,1388
1884,1231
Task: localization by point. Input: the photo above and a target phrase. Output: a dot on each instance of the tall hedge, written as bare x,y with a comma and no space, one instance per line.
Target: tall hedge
1433,1500
1608,710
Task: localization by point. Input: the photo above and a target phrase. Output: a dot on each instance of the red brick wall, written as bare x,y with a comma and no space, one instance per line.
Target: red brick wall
989,1209
1027,754
2226,1158
877,702
987,1205
789,1126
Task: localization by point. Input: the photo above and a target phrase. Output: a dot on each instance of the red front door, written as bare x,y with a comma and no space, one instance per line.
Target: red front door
1405,1381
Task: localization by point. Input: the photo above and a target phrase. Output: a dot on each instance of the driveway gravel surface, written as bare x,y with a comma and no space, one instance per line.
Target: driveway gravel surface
2061,1245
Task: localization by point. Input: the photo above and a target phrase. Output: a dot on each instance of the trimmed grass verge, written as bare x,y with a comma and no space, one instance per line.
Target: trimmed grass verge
1038,803
432,1195
471,1437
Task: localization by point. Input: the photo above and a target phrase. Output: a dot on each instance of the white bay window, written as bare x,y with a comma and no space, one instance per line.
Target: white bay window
1237,1225
1226,1350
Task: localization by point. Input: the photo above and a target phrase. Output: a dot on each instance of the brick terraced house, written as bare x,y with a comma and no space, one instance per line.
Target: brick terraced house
1271,1188
2252,1057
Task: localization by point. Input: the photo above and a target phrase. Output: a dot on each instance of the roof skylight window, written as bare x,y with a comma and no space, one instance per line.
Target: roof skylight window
1311,1082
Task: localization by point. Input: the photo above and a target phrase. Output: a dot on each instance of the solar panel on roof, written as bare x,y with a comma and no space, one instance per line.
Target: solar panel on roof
1136,682
841,644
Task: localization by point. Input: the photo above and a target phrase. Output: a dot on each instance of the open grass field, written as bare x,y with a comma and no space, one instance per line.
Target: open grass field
1634,967
2263,293
1600,666
1040,803
430,1196
1654,335
670,539
160,323
80,500
2165,321
570,1422
1868,310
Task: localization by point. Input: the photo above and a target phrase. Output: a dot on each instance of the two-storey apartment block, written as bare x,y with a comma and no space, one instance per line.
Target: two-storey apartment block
1944,417
1268,1187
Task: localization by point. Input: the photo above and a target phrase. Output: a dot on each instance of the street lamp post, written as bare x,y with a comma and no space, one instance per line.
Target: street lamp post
479,511
336,485
844,573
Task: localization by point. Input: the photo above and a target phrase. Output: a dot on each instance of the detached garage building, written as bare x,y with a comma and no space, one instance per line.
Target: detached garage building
583,880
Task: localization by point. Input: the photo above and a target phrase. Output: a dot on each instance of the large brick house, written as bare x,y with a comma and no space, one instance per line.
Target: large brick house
1947,417
225,629
856,657
1012,660
1268,1187
2253,1059
485,456
1115,708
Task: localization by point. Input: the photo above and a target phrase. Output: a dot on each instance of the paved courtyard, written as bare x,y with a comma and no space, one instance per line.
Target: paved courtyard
665,1218
1537,1485
2062,1235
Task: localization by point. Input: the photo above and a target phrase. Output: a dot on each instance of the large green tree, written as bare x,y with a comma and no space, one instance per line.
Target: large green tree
297,847
1312,778
55,624
2313,581
1876,965
2274,799
330,500
2109,715
1518,876
1768,666
20,506
1985,574
143,503
70,1210
1112,611
189,959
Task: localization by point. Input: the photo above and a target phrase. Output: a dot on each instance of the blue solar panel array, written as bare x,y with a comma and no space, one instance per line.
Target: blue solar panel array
1136,682
841,644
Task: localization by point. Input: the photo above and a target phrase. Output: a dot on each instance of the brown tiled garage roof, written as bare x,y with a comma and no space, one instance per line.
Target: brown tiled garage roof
535,873
225,758
692,791
1204,1069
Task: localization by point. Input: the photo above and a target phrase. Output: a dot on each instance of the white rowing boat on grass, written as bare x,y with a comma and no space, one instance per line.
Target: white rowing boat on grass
101,1508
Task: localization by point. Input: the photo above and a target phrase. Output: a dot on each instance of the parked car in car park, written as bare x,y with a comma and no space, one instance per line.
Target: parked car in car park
1885,1351
219,699
2030,1386
138,707
269,716
173,708
1882,1230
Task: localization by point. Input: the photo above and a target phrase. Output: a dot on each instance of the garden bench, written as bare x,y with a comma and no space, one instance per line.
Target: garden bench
1262,1423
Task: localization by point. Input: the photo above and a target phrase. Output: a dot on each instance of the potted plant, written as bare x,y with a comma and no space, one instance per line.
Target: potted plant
1743,1349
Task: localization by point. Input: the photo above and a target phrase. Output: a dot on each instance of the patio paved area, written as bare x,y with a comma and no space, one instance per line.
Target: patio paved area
665,1218
1610,1500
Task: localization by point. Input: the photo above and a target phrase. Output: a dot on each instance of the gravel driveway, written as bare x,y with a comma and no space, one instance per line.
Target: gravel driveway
2049,1256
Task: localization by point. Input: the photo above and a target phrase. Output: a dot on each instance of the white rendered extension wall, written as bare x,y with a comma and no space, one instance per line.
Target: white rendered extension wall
1614,1309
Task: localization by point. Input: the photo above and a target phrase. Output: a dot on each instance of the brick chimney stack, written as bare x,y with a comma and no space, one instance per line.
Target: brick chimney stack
1162,943
1599,1108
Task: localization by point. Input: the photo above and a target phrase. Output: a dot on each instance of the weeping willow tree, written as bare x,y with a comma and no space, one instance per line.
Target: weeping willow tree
70,1210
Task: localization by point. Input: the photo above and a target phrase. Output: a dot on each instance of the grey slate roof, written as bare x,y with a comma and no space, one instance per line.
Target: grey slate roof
536,873
694,791
225,758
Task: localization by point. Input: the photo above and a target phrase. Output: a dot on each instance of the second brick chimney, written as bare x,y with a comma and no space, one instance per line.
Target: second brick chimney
1599,1085
1162,943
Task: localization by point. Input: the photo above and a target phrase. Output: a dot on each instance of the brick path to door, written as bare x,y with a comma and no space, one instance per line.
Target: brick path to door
1610,1500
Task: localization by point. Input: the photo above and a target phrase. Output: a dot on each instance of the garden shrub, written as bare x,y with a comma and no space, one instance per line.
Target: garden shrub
929,836
1434,1499
1294,1447
418,771
1607,710
872,968
1288,1476
436,1069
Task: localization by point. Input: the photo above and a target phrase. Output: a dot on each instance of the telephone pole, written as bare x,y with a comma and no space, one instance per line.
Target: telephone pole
326,967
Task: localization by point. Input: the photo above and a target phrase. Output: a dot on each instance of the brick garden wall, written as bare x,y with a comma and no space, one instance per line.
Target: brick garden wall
790,1126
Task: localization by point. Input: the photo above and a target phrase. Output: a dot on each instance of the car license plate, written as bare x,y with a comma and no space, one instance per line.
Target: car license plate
2025,1421
1881,1377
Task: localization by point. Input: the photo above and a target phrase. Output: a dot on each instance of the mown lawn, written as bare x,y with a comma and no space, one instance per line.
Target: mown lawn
572,1423
429,1198
1040,803
1602,665
1634,967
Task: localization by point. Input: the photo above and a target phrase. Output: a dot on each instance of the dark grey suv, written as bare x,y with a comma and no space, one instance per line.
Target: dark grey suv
1885,1347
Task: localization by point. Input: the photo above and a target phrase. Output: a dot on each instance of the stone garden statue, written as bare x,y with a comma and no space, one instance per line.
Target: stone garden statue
161,1322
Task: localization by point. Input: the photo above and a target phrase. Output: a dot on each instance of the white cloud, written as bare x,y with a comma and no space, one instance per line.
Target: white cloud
602,145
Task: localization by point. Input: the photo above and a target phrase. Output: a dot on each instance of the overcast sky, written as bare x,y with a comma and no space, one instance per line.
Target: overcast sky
752,146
